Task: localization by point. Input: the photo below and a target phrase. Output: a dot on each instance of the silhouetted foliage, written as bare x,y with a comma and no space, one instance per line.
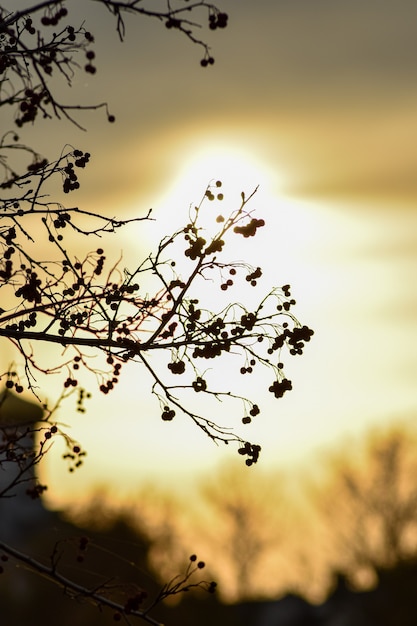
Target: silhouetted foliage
90,306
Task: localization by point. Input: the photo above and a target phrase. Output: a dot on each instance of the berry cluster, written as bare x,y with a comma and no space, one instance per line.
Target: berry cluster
229,282
199,384
52,19
89,67
71,33
169,332
251,451
22,325
249,368
10,384
168,414
211,350
74,320
117,292
29,26
100,263
196,246
10,235
193,315
109,385
285,306
210,195
47,60
215,246
116,368
123,329
249,230
7,272
208,60
75,457
8,43
71,179
295,338
299,335
30,291
200,564
81,158
36,491
178,367
248,320
33,102
251,278
62,220
35,166
216,327
176,283
82,395
278,388
52,431
218,20
173,22
70,382
252,413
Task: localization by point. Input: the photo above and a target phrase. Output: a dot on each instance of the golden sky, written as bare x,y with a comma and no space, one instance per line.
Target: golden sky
315,100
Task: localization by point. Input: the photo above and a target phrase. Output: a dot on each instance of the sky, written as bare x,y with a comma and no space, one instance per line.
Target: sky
315,101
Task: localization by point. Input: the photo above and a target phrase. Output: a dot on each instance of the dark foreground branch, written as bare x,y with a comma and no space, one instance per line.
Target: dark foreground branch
95,595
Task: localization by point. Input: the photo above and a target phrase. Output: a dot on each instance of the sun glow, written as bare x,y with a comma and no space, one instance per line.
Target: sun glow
285,250
234,167
295,229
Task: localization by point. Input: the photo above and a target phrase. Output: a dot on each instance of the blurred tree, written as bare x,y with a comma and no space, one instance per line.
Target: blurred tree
91,309
246,522
369,507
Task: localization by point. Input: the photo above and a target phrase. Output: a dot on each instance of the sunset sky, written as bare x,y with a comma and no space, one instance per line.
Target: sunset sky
315,101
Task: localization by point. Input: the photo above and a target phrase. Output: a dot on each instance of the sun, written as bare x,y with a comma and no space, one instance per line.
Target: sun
293,226
236,168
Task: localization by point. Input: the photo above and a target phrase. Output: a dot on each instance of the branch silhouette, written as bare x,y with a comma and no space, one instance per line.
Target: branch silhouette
93,306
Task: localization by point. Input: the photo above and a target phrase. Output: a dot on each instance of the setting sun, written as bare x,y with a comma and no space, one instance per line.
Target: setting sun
237,169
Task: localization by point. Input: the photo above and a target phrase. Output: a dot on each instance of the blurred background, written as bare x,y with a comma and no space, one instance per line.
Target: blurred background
315,102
